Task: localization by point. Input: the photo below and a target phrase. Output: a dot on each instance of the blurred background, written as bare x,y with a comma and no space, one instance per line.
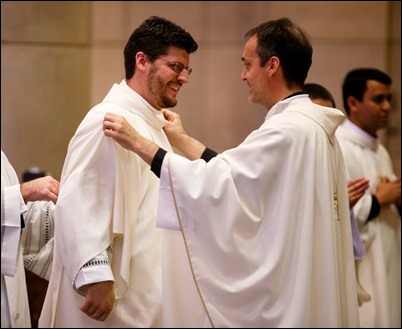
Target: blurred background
59,58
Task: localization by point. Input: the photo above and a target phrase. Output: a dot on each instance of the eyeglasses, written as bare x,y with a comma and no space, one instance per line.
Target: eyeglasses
177,67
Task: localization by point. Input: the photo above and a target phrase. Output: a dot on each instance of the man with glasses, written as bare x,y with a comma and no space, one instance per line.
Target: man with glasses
107,261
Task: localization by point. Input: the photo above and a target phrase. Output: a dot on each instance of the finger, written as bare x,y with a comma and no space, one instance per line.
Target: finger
86,306
107,124
101,316
91,312
53,198
108,129
109,116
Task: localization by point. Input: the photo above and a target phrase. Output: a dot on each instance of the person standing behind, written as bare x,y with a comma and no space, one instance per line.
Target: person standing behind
319,94
17,209
107,261
366,99
267,223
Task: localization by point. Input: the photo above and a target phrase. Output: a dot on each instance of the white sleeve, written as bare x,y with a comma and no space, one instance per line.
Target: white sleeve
96,270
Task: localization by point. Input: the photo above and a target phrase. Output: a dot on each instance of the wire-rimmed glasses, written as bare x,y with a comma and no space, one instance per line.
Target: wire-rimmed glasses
177,67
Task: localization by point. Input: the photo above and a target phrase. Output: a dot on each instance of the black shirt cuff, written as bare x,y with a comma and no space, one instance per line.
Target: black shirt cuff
157,161
375,208
208,154
22,221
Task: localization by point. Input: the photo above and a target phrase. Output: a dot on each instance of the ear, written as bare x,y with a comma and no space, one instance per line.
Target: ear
273,64
352,103
141,60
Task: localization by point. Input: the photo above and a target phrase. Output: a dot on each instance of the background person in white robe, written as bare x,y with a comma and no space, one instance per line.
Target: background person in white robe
15,199
107,260
266,224
366,99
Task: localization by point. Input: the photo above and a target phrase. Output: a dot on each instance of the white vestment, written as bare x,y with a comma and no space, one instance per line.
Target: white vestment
14,297
266,225
108,200
379,272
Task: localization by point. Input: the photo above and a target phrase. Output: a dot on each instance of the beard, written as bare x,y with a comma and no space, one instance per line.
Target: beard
166,102
157,90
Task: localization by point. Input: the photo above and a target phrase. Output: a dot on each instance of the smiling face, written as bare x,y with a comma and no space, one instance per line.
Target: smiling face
164,80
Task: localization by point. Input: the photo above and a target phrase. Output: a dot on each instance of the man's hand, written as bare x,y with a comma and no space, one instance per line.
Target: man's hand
174,129
356,189
188,146
40,189
117,127
99,300
389,191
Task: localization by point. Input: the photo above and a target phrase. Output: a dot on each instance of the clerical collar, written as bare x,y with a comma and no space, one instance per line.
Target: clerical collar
295,94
